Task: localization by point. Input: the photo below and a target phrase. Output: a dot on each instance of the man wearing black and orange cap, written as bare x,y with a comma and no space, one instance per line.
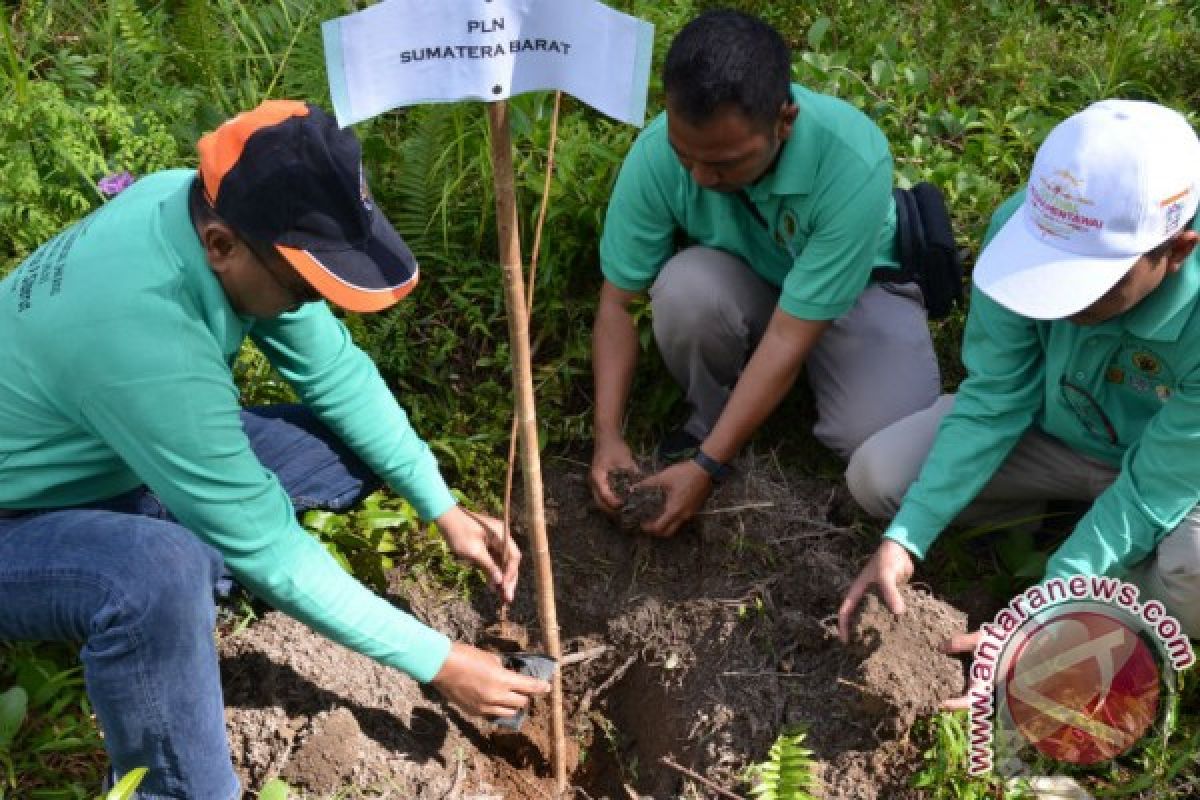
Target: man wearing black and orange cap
132,484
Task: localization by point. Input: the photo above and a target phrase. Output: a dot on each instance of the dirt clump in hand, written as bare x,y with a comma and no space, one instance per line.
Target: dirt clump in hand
903,673
637,505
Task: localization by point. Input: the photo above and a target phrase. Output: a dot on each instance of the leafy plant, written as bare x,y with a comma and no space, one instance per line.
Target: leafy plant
127,786
48,737
274,789
380,534
14,704
944,775
788,773
363,541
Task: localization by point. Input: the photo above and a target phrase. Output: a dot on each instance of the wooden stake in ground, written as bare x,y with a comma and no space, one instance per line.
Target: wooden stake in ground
526,411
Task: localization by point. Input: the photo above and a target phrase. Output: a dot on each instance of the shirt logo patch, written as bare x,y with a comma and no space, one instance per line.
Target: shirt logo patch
788,225
1146,362
1143,371
787,228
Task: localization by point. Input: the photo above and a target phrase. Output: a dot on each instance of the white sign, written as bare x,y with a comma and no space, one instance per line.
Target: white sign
404,52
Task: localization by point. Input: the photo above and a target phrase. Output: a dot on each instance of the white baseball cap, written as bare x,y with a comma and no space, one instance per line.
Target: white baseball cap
1109,184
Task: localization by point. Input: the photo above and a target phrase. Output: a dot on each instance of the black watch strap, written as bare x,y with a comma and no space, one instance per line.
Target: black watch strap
715,469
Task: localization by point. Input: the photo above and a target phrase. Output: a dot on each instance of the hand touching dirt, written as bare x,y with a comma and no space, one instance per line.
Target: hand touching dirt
961,643
480,539
609,454
475,681
889,569
687,486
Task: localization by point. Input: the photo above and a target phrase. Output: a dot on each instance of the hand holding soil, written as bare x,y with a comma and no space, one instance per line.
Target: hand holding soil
890,568
685,487
611,456
637,505
476,682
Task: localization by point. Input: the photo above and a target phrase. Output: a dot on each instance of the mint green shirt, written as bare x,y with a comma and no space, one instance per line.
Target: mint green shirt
1135,379
117,342
827,205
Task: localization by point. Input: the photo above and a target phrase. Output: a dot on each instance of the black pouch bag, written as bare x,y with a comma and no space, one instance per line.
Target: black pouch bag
928,253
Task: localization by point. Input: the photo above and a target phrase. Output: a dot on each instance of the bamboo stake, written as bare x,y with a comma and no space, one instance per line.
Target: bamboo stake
533,265
518,331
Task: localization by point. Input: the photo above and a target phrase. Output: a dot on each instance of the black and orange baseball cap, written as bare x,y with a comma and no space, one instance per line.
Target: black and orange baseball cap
286,174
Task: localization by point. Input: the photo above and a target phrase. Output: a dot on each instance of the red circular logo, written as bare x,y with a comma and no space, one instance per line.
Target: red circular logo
1082,687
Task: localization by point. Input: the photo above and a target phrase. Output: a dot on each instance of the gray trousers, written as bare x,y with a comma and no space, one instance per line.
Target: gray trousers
1040,468
872,366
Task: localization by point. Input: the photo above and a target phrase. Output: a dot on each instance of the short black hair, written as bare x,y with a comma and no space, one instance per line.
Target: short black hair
724,58
199,207
203,213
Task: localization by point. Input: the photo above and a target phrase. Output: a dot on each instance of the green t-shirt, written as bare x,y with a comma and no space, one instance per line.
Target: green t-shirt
1135,379
117,341
827,205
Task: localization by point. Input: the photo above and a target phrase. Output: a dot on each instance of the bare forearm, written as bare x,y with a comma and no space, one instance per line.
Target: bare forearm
614,357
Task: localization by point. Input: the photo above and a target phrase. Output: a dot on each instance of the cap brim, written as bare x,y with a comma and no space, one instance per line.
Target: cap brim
372,277
1025,275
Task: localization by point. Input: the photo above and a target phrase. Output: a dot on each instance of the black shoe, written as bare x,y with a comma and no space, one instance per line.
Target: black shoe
676,446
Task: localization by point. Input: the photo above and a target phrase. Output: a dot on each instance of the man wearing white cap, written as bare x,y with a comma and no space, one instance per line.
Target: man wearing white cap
1083,355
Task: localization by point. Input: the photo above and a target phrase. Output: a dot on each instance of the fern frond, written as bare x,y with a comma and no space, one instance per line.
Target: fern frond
137,35
196,34
427,192
789,773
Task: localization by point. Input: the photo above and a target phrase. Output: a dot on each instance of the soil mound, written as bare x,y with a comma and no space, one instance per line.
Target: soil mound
904,673
695,650
327,757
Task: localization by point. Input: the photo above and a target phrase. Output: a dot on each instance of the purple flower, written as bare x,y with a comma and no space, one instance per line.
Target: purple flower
115,183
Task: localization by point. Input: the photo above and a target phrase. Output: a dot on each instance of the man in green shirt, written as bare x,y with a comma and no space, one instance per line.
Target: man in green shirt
130,479
785,198
1083,356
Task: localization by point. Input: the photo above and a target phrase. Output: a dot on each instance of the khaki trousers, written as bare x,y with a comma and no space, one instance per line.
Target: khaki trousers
1040,468
873,366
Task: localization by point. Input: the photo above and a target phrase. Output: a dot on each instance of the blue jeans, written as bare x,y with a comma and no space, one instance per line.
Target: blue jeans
137,589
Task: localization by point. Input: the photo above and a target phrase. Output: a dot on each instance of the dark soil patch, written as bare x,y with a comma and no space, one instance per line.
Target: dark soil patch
701,648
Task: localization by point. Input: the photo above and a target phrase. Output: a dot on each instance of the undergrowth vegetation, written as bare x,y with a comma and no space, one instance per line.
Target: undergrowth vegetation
964,92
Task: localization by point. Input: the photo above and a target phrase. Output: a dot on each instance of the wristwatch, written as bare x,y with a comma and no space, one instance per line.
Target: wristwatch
715,469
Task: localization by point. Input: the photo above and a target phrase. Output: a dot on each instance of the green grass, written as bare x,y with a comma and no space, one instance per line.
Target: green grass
964,92
50,748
